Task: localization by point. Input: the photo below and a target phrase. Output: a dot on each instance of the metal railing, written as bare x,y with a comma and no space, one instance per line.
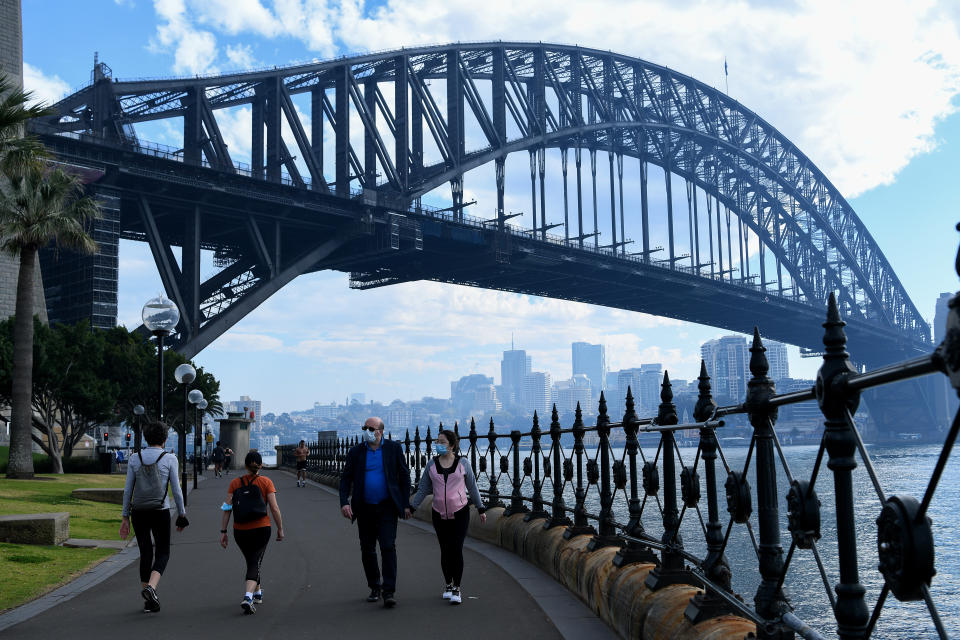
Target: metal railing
607,492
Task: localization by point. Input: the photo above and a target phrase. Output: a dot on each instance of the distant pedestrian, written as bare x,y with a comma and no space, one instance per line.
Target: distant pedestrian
375,491
248,498
218,457
449,478
227,459
145,502
301,453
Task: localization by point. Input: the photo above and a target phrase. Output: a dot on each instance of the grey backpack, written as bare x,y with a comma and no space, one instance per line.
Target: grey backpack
149,489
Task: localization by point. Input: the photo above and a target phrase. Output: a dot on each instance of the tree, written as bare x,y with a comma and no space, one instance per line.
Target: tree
39,205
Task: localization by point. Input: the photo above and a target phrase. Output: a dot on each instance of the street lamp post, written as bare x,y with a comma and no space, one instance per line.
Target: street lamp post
185,374
138,427
196,398
160,316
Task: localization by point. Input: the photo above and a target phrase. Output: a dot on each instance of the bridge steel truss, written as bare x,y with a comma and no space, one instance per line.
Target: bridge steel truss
413,104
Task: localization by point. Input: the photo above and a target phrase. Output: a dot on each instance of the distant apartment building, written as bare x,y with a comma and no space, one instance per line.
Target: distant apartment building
590,360
536,393
514,368
474,394
568,393
727,360
326,411
398,419
246,405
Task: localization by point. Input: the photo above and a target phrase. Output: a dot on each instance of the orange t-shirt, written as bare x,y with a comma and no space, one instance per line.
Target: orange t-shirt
266,488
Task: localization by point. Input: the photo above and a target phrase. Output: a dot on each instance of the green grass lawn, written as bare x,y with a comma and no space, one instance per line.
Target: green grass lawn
49,492
31,570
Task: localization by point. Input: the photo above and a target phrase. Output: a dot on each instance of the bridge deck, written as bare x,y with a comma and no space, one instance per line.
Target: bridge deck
313,586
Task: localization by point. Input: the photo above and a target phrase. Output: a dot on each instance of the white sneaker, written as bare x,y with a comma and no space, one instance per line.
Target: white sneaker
455,596
447,591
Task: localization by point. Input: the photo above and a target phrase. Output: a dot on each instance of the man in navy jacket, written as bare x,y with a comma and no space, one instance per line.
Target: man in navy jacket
377,473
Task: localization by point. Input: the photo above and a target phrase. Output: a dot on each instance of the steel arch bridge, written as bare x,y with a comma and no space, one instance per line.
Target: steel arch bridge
340,188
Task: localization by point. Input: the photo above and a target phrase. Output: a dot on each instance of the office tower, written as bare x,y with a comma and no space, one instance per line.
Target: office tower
590,360
535,394
777,357
514,367
647,392
474,394
570,392
728,362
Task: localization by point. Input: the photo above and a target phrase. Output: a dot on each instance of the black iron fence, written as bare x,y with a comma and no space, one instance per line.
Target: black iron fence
606,491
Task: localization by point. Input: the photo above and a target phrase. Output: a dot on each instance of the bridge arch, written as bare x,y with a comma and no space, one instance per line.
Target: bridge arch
524,97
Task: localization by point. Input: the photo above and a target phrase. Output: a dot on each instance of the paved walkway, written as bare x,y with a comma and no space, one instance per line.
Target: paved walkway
313,586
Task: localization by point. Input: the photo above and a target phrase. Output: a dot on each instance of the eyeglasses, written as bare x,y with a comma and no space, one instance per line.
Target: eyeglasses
366,428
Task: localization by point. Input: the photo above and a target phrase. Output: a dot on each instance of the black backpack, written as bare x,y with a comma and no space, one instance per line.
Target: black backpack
248,502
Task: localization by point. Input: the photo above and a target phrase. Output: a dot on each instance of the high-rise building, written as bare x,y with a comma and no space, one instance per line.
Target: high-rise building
399,417
246,405
536,395
647,394
728,361
777,358
514,367
590,360
474,394
573,391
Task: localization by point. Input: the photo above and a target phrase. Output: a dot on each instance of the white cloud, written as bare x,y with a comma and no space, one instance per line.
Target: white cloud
240,56
194,51
46,89
247,342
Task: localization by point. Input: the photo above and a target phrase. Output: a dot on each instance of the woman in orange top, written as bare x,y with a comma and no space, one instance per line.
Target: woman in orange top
254,493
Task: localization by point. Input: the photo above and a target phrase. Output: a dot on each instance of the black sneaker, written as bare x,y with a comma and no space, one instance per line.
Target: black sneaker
150,600
389,601
258,597
374,595
247,605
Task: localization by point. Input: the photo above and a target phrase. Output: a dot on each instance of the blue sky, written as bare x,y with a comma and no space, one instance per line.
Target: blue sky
871,96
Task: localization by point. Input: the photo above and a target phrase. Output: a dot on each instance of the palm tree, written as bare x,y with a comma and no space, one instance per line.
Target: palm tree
38,205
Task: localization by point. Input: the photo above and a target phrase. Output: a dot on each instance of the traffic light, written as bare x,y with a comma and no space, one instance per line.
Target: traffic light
128,437
106,436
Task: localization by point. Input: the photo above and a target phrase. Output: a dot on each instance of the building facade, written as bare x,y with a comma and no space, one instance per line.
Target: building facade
514,368
536,394
728,361
590,360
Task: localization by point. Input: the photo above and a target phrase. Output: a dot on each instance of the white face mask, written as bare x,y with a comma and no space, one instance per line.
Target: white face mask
369,436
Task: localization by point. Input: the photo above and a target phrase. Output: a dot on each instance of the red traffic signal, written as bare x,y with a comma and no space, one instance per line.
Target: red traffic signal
106,436
128,436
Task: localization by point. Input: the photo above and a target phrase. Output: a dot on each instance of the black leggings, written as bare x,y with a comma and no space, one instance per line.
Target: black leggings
155,552
253,544
451,534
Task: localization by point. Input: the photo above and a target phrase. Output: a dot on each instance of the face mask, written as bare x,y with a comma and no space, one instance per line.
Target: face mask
441,449
369,436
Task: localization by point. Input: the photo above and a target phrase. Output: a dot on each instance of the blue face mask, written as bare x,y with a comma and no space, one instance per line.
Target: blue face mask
441,449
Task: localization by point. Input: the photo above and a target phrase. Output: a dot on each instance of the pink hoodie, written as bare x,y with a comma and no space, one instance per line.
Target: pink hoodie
449,490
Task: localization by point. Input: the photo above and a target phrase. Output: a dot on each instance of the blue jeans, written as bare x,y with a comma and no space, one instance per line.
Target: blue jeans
378,523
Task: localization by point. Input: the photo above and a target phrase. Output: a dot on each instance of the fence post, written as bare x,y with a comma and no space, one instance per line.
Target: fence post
558,516
535,453
632,551
841,445
581,526
516,498
708,605
671,569
472,437
769,601
493,491
607,534
416,452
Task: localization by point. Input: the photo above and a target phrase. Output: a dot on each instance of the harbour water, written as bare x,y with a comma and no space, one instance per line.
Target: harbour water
902,470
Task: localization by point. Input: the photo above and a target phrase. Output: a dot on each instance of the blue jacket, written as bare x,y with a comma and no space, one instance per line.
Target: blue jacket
394,468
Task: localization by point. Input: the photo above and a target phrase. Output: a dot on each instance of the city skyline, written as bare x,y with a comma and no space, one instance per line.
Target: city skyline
410,340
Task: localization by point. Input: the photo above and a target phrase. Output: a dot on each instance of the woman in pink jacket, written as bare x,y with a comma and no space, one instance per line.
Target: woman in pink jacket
450,479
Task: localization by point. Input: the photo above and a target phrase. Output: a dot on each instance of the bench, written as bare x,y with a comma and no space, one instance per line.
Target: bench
113,496
35,528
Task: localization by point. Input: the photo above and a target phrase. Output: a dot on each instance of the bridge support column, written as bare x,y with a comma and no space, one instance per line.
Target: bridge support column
644,211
